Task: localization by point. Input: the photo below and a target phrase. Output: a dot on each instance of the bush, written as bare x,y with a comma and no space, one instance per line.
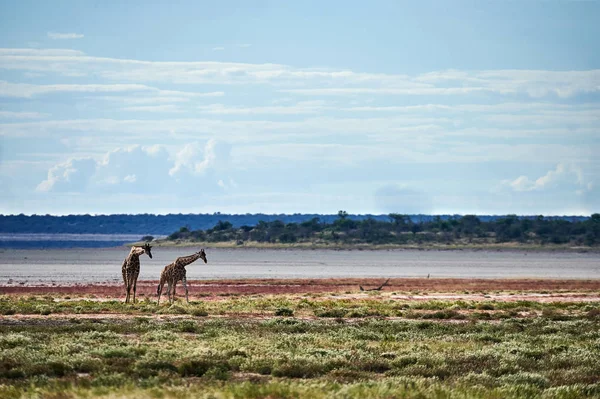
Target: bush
284,312
593,314
262,366
444,314
187,326
523,378
44,310
299,368
175,309
195,368
334,313
153,367
485,306
57,369
198,312
218,373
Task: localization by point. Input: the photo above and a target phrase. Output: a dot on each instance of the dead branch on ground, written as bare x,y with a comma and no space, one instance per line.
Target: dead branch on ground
375,289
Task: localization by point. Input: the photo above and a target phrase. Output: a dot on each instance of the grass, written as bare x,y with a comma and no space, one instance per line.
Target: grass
319,347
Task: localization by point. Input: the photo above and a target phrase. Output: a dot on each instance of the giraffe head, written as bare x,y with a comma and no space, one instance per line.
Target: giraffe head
203,255
147,247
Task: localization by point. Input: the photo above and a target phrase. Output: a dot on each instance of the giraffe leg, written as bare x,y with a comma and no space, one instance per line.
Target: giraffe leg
159,291
186,290
169,292
124,279
134,288
128,288
174,287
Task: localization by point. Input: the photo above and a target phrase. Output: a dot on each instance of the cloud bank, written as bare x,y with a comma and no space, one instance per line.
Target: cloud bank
142,169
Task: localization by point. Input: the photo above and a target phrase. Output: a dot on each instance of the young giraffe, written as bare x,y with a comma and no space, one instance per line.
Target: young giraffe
174,272
131,267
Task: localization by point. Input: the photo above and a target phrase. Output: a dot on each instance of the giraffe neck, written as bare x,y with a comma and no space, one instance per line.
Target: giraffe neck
186,260
136,252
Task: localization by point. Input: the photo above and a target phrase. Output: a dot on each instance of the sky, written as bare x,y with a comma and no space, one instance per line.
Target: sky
435,107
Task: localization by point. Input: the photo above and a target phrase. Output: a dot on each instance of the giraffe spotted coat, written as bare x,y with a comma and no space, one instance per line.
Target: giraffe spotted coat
174,272
131,268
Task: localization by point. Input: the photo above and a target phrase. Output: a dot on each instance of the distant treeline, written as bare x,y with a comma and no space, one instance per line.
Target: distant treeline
402,229
165,224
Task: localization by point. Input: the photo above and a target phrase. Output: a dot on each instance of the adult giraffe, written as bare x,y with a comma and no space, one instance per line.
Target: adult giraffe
131,267
175,271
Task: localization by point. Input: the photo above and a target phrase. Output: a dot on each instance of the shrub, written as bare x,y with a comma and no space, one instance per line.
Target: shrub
373,365
298,368
554,315
218,373
485,306
444,314
284,312
153,367
175,309
44,310
338,312
14,340
593,314
57,369
523,378
262,366
199,312
187,326
196,368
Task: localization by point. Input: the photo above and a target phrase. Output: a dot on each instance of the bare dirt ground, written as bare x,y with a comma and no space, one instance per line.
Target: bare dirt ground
542,290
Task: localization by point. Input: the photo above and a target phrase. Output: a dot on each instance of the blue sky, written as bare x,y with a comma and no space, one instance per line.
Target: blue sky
486,107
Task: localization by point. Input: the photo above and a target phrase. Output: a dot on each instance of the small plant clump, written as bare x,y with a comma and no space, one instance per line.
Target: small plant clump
284,312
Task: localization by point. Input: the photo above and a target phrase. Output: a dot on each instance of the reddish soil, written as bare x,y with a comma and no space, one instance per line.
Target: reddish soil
404,287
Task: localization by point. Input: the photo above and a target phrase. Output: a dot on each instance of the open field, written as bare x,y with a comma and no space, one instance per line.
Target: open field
305,338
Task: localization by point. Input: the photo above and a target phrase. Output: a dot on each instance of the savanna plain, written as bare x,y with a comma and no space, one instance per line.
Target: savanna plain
304,338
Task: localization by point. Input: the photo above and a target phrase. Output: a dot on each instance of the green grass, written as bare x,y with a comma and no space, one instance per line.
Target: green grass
361,347
315,305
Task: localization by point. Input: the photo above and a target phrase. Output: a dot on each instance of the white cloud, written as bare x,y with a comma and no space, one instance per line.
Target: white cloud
130,178
197,160
244,45
218,48
387,90
508,108
71,175
63,36
307,81
26,90
34,52
142,169
147,166
564,175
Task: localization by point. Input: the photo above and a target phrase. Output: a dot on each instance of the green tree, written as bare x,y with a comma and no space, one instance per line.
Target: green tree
220,226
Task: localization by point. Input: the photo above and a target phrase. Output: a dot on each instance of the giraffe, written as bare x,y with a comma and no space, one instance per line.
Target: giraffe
175,271
131,267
